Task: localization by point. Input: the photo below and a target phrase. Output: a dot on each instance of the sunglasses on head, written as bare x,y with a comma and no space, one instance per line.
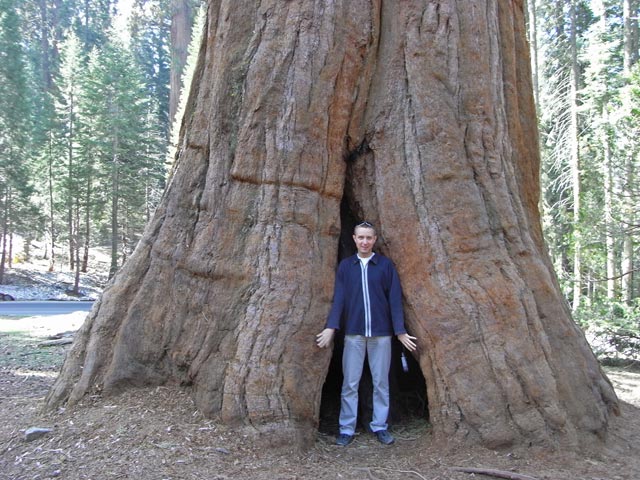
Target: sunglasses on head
365,224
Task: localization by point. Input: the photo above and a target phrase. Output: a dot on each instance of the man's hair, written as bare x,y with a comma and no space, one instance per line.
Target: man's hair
364,225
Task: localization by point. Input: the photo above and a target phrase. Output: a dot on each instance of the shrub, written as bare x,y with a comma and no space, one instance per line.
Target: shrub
612,329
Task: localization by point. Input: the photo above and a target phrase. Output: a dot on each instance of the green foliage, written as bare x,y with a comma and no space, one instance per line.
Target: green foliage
16,207
91,21
607,143
121,140
150,28
613,328
83,117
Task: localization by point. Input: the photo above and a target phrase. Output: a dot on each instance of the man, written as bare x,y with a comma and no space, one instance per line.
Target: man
368,299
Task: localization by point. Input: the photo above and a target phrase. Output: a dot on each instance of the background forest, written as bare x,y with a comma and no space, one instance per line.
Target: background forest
89,99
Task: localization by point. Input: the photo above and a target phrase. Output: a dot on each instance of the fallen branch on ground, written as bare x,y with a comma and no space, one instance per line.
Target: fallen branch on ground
494,473
53,343
390,470
58,336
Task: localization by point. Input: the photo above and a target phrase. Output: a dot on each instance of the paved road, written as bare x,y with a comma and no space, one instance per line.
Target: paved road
41,308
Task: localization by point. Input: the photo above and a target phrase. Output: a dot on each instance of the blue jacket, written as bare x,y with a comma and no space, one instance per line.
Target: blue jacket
384,316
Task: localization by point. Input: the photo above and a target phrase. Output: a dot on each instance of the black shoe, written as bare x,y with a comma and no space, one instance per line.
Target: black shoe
385,437
343,439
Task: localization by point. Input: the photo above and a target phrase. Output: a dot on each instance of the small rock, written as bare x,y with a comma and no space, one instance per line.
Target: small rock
223,450
33,433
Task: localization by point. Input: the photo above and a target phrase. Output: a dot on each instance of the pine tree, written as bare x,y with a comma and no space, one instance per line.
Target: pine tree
76,186
91,21
150,28
562,25
15,128
121,123
44,26
600,101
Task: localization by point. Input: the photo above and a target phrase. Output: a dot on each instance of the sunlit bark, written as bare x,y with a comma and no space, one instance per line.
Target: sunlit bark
425,112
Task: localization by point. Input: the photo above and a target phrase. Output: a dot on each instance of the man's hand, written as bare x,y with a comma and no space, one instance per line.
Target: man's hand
323,339
408,341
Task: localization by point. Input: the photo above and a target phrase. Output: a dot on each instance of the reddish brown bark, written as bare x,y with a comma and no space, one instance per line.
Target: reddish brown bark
431,106
181,27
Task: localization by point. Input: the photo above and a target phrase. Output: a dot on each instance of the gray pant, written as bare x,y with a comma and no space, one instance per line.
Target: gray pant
378,351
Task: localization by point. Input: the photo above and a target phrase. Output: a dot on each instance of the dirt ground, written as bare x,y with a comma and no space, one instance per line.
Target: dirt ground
157,434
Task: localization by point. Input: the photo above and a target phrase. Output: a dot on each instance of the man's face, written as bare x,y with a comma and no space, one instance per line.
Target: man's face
365,238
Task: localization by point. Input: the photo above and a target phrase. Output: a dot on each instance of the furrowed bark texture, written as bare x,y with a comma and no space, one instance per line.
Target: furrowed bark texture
431,103
233,277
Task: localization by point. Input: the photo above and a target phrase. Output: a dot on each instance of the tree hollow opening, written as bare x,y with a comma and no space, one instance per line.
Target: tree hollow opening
408,391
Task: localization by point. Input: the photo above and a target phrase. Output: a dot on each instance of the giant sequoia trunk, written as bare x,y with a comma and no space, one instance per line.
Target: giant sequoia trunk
421,115
181,26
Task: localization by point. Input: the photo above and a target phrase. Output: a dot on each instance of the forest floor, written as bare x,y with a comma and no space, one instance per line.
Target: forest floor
153,434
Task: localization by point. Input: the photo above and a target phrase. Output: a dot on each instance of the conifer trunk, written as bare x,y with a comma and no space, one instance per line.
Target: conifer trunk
4,201
421,116
181,26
